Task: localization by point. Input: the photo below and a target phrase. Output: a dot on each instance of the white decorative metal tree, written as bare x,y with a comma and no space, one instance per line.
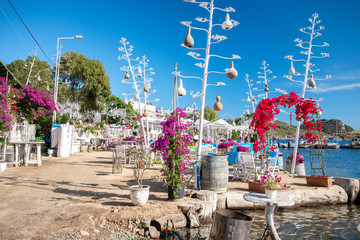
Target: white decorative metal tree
211,39
251,98
313,31
266,77
146,73
127,50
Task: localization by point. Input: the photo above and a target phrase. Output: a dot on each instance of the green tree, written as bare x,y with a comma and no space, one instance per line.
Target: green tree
112,103
41,75
235,135
209,114
87,82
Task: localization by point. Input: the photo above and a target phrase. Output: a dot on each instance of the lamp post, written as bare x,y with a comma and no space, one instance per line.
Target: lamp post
57,69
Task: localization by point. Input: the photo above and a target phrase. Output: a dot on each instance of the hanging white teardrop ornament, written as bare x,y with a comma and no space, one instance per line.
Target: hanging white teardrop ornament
312,83
189,41
231,72
139,72
248,99
227,24
181,90
292,69
218,106
127,76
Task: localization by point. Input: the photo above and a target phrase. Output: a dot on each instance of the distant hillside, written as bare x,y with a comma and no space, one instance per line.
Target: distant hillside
333,126
285,130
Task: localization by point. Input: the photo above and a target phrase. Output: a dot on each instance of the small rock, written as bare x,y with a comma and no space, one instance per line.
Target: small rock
96,231
84,233
141,232
154,233
144,224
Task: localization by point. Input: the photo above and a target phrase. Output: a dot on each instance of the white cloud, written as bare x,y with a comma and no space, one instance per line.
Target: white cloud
350,75
338,88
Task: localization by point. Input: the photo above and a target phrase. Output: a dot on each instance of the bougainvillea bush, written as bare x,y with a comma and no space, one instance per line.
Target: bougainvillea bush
33,104
306,110
174,147
5,110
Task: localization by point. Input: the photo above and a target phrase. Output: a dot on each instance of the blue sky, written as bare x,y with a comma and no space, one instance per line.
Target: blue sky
266,32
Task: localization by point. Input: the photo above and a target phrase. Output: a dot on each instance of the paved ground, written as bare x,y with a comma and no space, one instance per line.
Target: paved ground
64,196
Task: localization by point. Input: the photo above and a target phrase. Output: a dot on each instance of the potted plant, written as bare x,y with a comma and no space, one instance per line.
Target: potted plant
317,163
271,184
223,148
139,194
299,164
174,147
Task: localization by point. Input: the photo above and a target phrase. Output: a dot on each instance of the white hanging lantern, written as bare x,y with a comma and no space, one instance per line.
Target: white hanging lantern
292,69
318,110
227,24
127,76
231,73
312,83
139,72
189,41
181,90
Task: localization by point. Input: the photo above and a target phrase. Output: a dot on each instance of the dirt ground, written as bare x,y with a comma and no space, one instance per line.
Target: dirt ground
66,195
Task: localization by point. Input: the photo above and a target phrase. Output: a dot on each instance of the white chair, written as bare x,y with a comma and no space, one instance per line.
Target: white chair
239,168
249,166
119,153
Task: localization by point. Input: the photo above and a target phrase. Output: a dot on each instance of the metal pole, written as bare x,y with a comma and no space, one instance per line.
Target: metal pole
56,77
175,88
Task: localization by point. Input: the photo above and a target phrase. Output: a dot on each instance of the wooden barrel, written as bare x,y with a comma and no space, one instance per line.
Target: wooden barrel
230,225
215,172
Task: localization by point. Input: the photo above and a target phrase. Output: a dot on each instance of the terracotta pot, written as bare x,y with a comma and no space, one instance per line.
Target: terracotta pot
319,181
255,187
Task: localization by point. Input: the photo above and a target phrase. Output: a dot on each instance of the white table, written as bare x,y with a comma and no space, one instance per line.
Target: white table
280,200
27,148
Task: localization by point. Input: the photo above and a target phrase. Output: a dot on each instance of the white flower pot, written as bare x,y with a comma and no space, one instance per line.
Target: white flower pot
3,166
271,194
139,196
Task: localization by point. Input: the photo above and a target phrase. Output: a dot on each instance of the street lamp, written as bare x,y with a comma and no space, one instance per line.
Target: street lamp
57,69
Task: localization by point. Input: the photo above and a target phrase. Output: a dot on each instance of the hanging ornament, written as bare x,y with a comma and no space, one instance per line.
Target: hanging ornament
291,117
146,88
227,24
181,90
292,69
318,110
253,99
145,114
218,106
231,73
248,99
189,41
312,83
139,72
266,88
127,76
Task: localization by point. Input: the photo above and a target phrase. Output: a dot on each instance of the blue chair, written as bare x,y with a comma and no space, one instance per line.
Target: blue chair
232,157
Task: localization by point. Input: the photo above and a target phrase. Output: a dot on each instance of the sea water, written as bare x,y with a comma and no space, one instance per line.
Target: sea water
321,222
338,162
